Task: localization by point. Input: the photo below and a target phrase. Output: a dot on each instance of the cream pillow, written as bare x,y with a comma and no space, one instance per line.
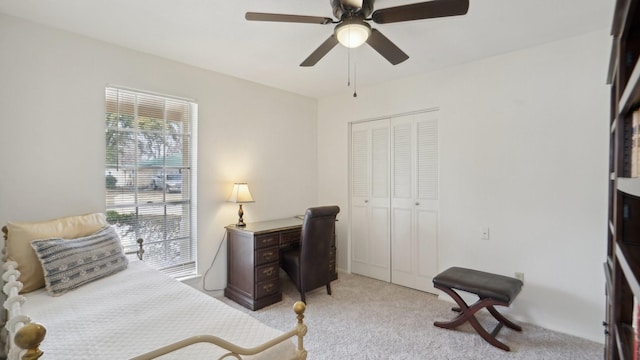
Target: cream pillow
20,235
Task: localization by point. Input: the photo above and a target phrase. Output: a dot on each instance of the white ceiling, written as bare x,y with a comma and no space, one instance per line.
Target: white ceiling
214,35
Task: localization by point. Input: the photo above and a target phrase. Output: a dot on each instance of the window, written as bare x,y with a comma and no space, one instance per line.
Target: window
149,176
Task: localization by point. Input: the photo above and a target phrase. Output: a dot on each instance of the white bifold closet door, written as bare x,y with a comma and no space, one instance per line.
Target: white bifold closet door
370,200
394,199
414,200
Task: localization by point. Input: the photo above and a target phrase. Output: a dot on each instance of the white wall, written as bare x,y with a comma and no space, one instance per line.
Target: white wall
52,124
523,150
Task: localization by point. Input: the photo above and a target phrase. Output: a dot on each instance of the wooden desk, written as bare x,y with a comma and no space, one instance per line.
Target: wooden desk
253,260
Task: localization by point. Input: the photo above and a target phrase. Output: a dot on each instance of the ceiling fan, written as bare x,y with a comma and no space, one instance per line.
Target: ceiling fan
352,29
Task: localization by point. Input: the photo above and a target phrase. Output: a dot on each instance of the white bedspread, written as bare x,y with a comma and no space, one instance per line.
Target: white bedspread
138,310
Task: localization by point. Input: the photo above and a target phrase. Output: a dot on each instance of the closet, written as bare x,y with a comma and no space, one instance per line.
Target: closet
394,199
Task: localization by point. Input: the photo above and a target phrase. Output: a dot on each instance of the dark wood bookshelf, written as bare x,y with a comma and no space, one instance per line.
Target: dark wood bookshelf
622,266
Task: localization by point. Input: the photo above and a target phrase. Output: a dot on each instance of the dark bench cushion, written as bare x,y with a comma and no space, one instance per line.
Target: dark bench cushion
483,284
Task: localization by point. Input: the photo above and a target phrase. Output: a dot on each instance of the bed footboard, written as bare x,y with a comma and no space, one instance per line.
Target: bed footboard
22,333
235,351
29,336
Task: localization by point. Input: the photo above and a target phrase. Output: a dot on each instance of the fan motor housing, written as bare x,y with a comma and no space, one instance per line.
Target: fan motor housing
341,10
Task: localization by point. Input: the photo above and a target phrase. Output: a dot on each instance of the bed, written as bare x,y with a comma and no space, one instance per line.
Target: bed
134,313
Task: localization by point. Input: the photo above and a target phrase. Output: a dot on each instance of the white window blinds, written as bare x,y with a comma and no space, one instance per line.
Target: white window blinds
149,176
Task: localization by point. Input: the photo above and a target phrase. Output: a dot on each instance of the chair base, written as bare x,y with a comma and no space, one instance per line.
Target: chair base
303,298
467,314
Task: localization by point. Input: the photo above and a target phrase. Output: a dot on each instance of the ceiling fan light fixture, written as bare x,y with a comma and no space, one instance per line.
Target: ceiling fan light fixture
352,35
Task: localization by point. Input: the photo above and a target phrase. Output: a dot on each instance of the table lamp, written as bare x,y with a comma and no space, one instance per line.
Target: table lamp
240,195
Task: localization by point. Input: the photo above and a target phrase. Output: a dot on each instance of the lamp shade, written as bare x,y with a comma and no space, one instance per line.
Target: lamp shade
241,194
353,34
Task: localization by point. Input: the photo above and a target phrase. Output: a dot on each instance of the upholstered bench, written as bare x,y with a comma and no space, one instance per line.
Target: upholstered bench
491,289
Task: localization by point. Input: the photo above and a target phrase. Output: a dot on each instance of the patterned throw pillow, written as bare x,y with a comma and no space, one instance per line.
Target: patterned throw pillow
71,263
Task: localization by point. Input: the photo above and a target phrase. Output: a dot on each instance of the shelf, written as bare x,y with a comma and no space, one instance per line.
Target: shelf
619,16
624,339
626,31
629,265
631,95
629,186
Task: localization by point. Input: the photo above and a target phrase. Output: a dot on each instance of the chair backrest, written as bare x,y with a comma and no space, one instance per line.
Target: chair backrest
318,230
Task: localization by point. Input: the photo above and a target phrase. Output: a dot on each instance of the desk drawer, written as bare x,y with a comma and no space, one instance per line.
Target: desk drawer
267,272
264,241
267,288
290,237
264,256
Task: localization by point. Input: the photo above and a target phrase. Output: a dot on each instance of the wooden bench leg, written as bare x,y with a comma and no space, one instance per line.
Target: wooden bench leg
503,319
467,314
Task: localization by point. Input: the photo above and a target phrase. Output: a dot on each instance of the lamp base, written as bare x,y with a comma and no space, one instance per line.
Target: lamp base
240,221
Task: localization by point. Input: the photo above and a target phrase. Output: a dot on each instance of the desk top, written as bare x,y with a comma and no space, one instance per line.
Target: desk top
268,226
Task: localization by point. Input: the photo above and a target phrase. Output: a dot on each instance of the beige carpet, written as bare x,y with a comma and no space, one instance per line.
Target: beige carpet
371,319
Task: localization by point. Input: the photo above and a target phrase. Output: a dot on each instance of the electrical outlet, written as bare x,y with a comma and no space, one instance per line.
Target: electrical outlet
484,233
520,276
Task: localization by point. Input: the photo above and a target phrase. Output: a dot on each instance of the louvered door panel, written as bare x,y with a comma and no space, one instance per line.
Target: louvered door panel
359,163
370,199
414,201
402,161
427,174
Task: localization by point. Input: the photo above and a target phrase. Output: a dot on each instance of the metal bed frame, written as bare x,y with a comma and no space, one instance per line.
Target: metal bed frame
24,336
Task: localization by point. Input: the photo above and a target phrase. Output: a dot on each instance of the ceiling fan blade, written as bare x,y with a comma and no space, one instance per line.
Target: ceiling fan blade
419,11
254,16
386,48
321,51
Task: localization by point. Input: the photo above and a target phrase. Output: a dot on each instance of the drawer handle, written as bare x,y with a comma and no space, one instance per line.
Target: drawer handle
268,256
267,240
267,272
268,288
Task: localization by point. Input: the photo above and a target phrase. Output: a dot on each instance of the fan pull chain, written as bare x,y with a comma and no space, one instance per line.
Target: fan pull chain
355,94
355,76
348,67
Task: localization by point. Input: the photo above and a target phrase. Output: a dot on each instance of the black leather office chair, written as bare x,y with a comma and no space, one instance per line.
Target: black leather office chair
308,265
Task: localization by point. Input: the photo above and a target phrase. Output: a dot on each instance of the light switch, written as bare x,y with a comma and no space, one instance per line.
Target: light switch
484,233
